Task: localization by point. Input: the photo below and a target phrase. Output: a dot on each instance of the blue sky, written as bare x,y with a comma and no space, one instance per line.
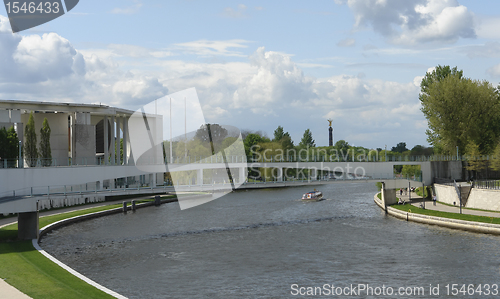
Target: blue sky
259,64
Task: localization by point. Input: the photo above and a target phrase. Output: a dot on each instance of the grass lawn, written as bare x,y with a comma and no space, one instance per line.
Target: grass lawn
23,267
417,210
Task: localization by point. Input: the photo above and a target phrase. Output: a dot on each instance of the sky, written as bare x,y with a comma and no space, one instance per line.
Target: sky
257,65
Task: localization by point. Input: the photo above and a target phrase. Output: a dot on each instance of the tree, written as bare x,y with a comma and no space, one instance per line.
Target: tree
283,137
410,171
400,148
307,139
419,150
212,134
495,161
474,161
460,111
30,149
253,139
45,151
279,133
12,152
342,146
437,75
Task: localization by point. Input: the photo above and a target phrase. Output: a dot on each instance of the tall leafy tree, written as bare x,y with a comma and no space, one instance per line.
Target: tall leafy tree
3,143
460,111
45,150
307,139
12,152
30,149
283,137
495,161
401,147
279,133
253,139
474,161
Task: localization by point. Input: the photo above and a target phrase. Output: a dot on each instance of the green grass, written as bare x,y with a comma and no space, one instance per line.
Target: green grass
29,271
474,209
416,210
23,267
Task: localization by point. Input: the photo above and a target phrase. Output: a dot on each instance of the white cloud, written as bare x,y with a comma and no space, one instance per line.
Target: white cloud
277,81
211,48
261,92
132,9
348,42
494,71
487,27
138,90
415,21
238,13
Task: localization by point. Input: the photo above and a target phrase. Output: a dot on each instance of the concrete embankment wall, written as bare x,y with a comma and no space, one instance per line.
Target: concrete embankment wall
69,200
446,194
484,199
472,226
68,221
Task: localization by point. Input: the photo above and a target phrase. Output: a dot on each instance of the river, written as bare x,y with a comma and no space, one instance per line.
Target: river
268,244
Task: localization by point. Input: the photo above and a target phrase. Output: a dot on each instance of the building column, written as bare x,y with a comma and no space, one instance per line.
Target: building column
242,174
27,225
112,148
279,177
388,196
199,177
125,140
106,136
118,161
313,174
152,180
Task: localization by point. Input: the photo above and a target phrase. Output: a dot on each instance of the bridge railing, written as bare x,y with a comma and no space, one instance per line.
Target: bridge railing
99,160
486,184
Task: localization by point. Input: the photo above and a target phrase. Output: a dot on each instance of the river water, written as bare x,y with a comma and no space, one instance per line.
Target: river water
268,244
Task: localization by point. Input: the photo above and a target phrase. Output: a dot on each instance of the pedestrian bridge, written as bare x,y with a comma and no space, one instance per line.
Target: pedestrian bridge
25,189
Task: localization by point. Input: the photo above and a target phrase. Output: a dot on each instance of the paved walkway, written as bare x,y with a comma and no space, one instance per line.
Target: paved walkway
429,205
9,292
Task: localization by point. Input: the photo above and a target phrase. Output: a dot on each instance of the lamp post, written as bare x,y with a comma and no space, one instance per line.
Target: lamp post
423,192
460,197
20,161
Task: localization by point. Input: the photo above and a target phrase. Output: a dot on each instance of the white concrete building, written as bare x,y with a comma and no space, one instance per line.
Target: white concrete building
81,134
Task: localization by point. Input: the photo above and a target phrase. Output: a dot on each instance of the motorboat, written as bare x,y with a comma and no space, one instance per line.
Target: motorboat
312,196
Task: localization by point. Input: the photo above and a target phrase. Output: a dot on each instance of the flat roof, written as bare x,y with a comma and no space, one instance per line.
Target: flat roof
63,107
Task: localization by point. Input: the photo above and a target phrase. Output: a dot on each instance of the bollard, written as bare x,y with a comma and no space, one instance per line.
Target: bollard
125,207
157,200
133,205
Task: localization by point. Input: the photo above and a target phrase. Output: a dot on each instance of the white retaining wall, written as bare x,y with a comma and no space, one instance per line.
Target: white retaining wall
484,199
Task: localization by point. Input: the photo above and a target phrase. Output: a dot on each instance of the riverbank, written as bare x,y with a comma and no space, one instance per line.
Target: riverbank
435,216
30,272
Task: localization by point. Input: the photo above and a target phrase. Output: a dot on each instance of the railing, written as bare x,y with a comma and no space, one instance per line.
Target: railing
94,161
486,184
131,185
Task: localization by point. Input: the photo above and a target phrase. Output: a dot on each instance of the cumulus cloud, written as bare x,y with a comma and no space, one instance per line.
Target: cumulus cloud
415,21
263,91
277,80
49,68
